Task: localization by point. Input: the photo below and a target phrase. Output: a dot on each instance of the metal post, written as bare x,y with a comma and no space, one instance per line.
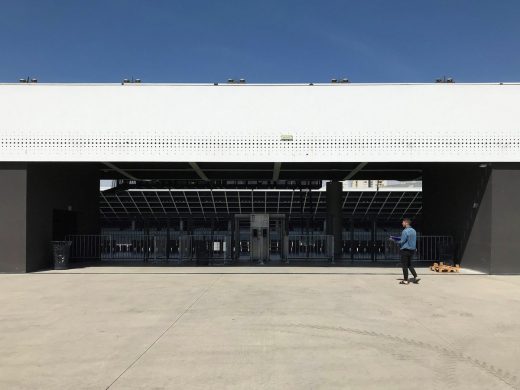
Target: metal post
351,239
373,244
147,240
229,245
307,241
167,239
237,248
285,244
301,208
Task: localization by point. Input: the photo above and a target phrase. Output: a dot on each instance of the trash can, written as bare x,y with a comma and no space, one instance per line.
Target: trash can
61,254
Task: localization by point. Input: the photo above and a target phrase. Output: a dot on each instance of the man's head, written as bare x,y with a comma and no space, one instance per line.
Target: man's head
407,222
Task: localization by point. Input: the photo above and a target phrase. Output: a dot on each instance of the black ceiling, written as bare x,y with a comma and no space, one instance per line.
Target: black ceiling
260,171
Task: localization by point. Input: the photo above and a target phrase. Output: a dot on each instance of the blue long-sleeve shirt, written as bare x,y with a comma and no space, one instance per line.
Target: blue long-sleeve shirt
408,239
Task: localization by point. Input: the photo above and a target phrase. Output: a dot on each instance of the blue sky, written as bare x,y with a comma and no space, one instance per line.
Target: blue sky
262,41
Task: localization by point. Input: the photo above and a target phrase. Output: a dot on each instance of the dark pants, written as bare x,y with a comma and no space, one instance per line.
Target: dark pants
406,262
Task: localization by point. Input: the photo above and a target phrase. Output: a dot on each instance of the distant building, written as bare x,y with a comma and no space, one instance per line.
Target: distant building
359,184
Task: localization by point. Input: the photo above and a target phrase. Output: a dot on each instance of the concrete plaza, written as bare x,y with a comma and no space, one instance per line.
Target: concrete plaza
257,328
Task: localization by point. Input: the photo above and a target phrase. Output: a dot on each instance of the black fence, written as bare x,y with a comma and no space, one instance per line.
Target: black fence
429,248
221,249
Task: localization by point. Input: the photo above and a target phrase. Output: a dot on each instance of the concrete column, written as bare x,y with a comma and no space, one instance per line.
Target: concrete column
334,213
13,218
285,240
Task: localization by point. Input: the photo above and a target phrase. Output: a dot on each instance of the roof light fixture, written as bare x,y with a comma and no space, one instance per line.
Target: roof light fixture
131,81
445,79
28,80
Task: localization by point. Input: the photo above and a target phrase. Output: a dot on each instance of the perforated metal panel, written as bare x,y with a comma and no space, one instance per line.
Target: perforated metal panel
286,123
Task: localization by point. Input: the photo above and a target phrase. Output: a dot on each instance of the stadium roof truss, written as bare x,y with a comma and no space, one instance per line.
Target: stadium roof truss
170,204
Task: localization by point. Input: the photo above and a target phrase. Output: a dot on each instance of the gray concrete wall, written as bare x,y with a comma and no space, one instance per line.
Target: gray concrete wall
53,186
477,253
13,219
449,192
488,236
505,234
30,194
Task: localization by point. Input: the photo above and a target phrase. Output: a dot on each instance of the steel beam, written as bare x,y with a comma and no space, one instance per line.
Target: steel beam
353,172
121,171
276,170
199,171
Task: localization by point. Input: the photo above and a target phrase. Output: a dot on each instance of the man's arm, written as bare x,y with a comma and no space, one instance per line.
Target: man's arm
404,237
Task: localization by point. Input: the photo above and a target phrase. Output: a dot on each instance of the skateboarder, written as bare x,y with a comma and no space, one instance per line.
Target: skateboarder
407,245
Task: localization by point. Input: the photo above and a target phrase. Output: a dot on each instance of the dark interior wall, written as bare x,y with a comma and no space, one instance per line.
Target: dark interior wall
450,193
479,207
477,254
58,186
13,218
505,234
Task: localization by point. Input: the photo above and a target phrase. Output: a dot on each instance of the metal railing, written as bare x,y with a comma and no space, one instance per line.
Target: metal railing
429,248
312,247
205,248
214,249
158,246
89,247
125,246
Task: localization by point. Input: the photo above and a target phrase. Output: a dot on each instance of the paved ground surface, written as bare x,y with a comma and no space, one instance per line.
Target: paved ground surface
258,328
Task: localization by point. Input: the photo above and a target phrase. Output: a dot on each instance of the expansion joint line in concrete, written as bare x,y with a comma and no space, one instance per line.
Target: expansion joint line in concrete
172,325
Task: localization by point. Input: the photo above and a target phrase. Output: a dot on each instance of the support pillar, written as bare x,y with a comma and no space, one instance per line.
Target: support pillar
334,214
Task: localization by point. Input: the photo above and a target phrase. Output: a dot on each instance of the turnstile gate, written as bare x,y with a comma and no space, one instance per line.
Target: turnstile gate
260,240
